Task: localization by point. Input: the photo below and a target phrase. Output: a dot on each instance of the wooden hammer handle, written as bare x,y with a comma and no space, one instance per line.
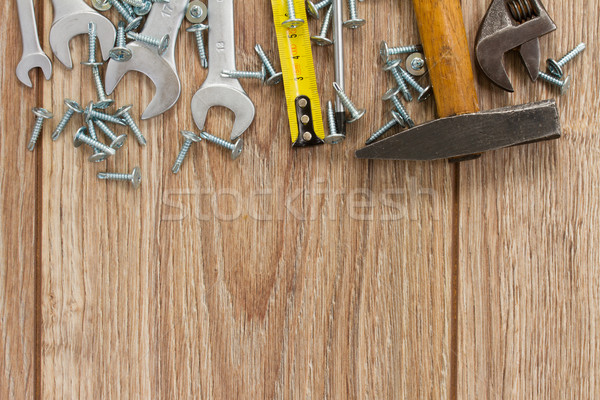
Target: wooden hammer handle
445,45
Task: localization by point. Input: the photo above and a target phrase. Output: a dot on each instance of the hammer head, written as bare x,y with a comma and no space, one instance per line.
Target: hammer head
468,134
509,24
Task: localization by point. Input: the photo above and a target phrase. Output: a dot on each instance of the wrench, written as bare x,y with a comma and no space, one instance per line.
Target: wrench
71,18
33,55
218,91
163,19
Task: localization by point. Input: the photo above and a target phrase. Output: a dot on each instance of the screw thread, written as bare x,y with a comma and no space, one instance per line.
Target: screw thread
291,9
242,74
404,49
96,144
134,3
551,79
111,176
92,129
105,117
217,140
35,134
345,99
571,55
107,131
331,119
410,80
92,42
62,123
201,50
402,111
134,128
352,9
121,9
326,22
181,156
98,83
401,84
264,58
144,38
322,4
121,39
389,125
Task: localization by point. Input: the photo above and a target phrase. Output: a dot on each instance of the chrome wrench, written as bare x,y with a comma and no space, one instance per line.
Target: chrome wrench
33,55
216,90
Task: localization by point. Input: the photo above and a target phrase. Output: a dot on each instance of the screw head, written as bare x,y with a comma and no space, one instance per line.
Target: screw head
196,12
76,140
312,10
122,110
104,104
274,79
92,64
101,5
136,177
390,65
384,51
42,113
390,93
293,23
425,94
334,138
197,27
134,24
396,115
191,136
118,142
119,53
554,68
354,23
163,45
356,116
321,40
73,105
143,10
98,157
412,64
566,85
237,150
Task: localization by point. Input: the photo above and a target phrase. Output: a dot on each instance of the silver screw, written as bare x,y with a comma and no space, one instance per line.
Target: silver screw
81,137
555,67
98,155
396,120
333,137
424,93
89,111
123,112
91,46
313,9
392,96
72,108
144,8
274,76
385,52
198,31
292,21
261,75
41,114
236,148
132,21
190,138
120,52
354,112
161,44
135,177
321,39
134,3
103,101
391,66
564,85
354,22
117,141
415,64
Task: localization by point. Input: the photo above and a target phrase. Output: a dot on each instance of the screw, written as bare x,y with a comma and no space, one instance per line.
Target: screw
313,9
91,46
198,31
321,39
555,67
415,64
161,44
123,112
274,76
396,120
385,52
392,96
292,21
391,67
236,148
41,114
190,138
424,93
354,112
143,9
117,141
80,137
132,21
354,22
101,5
98,155
73,108
120,52
135,177
564,85
103,102
90,112
333,137
261,75
196,12
134,3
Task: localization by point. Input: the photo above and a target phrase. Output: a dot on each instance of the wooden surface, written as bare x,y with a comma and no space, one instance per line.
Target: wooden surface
301,273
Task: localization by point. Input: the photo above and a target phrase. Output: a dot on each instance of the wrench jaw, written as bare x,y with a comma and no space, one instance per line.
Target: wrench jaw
160,72
28,62
226,96
69,26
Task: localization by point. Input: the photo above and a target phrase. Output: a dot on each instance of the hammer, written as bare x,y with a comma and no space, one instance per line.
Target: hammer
461,132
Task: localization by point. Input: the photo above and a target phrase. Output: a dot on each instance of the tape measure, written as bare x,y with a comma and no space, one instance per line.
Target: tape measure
299,80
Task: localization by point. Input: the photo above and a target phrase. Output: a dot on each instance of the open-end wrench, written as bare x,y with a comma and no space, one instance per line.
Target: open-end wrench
164,18
216,90
71,18
33,55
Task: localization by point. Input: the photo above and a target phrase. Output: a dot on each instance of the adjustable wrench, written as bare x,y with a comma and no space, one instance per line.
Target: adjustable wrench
33,55
71,18
164,18
216,90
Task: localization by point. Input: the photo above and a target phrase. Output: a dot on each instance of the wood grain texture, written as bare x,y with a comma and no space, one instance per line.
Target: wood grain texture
302,273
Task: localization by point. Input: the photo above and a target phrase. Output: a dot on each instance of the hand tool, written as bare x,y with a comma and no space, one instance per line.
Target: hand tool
299,78
338,54
33,55
461,132
509,24
164,19
216,90
71,18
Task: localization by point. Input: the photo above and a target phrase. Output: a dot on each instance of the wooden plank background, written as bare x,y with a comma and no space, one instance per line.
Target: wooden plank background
300,273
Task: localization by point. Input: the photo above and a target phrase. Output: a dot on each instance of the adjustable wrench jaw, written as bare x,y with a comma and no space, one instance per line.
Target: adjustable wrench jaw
504,29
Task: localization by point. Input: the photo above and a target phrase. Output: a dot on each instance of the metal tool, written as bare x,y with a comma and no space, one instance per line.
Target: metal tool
509,24
71,18
164,19
216,90
338,53
33,56
462,132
